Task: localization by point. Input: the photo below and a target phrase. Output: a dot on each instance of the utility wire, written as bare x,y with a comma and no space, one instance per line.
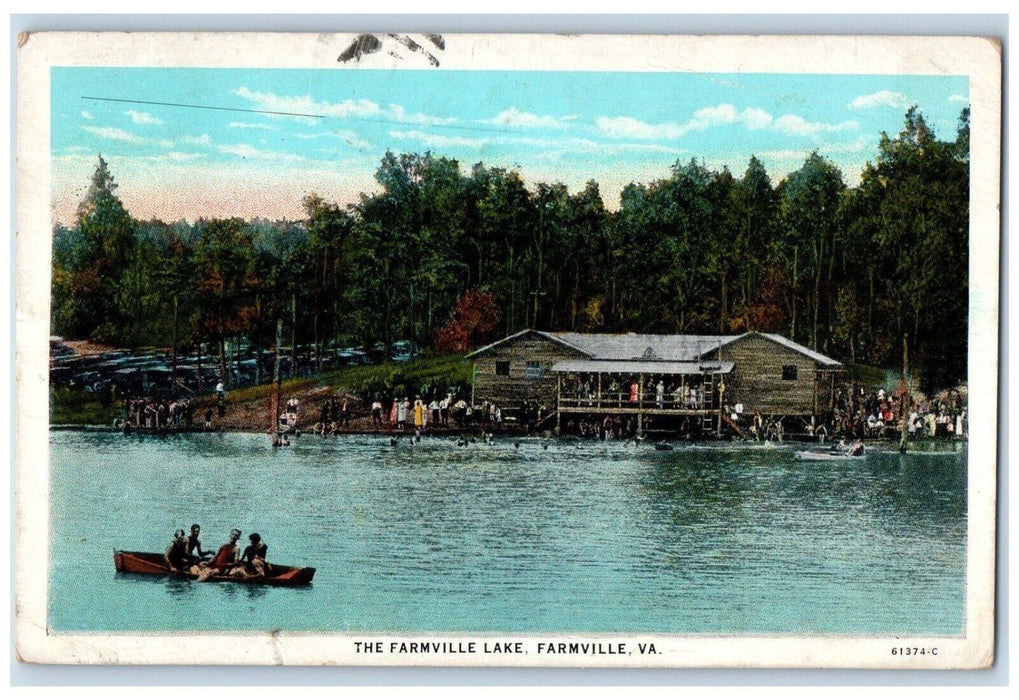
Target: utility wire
305,115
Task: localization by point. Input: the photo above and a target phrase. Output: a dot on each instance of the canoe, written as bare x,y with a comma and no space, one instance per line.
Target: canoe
152,563
825,456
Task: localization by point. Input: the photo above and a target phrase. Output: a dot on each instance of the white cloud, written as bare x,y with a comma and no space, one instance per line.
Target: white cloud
514,117
113,134
398,113
751,118
180,157
203,140
648,147
754,118
246,150
87,115
438,141
798,126
628,127
305,108
143,118
958,98
244,125
710,116
882,98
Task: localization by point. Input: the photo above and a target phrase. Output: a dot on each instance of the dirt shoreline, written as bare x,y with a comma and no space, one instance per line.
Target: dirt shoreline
254,416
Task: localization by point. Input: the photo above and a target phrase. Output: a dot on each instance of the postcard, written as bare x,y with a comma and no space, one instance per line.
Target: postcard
507,350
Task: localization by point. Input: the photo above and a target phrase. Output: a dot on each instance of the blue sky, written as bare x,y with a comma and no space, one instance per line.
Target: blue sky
239,159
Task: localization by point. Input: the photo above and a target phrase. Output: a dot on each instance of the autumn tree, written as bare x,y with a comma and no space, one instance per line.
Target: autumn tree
475,322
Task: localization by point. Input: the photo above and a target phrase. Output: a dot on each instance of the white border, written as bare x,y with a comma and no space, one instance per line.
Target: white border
977,58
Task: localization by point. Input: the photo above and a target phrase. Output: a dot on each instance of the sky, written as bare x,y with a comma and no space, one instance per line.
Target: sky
186,143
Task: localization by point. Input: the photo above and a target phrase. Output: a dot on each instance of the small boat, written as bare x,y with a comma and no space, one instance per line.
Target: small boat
152,563
826,456
663,446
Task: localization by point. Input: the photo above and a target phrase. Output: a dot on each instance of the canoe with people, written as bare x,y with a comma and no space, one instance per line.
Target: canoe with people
839,451
186,558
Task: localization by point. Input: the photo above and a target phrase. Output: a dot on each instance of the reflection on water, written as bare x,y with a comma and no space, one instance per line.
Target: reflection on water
606,537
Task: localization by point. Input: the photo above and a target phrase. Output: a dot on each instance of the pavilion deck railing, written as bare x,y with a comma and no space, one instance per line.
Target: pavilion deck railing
621,401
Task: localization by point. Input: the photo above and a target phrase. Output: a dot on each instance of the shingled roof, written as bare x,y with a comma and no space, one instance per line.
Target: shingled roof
641,346
650,348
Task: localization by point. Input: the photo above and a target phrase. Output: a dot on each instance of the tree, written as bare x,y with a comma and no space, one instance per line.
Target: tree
810,205
90,284
754,206
328,228
225,285
475,321
923,194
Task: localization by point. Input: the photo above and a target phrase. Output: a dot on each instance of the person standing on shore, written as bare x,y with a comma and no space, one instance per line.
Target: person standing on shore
419,414
402,408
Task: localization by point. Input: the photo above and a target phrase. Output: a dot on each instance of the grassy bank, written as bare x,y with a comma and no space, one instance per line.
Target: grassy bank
423,376
75,407
420,376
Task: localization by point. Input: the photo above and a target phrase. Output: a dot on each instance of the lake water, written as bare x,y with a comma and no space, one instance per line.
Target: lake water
585,537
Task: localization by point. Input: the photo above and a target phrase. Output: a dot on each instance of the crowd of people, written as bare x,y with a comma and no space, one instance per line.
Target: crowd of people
620,390
609,427
864,412
756,426
156,414
401,413
186,555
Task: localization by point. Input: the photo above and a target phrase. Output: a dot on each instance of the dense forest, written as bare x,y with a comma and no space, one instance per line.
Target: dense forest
874,274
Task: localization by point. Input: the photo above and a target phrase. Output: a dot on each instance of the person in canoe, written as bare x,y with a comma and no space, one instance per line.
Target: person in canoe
176,555
225,560
845,449
252,563
195,551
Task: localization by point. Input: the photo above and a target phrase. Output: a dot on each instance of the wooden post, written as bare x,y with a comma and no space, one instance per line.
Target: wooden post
274,397
640,405
816,413
721,405
599,390
558,403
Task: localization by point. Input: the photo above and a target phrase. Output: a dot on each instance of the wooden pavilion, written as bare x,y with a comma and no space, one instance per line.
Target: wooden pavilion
659,379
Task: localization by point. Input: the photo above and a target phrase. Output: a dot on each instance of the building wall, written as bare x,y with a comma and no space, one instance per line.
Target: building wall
510,391
756,380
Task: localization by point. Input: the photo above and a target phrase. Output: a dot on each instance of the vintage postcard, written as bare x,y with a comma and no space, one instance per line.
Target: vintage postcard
507,350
